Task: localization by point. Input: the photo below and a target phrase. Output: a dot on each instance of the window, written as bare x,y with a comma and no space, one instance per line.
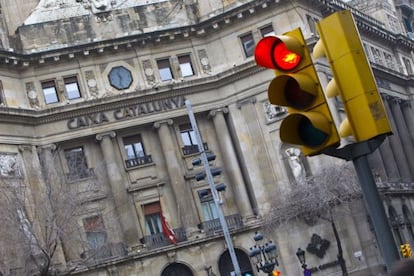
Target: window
208,205
152,214
188,135
135,152
72,88
164,68
50,92
248,44
267,30
408,66
96,237
76,162
185,66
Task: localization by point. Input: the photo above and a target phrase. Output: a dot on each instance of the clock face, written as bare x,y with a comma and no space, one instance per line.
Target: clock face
120,77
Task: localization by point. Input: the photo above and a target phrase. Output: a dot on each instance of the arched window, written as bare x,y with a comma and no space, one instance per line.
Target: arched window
226,266
177,269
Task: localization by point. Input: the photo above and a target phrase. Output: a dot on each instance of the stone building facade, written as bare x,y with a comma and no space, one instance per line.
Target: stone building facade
92,97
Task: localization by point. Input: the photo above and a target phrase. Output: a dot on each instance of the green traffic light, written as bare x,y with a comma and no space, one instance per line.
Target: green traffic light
310,135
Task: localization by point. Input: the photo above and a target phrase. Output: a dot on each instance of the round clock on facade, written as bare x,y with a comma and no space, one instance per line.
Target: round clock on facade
120,77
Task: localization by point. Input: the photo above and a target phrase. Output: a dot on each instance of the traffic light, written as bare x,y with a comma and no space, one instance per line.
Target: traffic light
406,250
309,122
353,79
275,273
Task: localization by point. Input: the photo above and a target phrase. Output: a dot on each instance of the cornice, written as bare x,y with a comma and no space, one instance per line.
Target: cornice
206,25
36,117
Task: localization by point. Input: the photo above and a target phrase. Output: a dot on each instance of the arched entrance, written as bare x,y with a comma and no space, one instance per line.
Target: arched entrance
226,266
177,269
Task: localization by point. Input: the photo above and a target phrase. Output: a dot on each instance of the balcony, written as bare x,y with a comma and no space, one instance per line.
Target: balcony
80,174
213,227
192,149
158,240
104,252
146,159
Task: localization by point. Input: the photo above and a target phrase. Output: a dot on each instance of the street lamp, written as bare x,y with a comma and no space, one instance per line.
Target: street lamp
301,256
263,255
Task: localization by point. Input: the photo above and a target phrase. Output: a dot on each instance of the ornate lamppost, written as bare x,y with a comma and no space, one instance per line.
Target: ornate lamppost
301,256
263,256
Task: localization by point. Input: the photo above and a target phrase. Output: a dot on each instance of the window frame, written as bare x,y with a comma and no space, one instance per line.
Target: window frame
50,88
68,82
164,67
185,63
245,39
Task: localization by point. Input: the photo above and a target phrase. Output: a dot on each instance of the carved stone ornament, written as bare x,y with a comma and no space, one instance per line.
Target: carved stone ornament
9,166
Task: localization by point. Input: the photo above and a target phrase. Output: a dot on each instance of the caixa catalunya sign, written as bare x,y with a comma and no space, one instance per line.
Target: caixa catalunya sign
126,113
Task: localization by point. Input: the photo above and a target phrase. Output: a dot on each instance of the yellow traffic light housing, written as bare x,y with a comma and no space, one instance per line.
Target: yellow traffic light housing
296,86
353,79
406,250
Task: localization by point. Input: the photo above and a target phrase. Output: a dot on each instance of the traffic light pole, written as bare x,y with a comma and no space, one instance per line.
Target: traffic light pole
214,192
358,152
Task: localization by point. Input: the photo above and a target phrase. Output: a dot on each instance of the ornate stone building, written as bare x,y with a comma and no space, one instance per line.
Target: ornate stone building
92,94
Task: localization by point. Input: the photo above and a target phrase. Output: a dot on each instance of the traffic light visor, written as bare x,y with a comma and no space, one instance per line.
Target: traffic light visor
307,129
296,90
278,52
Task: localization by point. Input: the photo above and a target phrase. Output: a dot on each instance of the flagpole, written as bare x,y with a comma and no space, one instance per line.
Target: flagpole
214,192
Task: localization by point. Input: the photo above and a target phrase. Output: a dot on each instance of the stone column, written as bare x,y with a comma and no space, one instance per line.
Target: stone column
123,202
397,148
257,166
407,110
37,195
231,163
182,192
404,135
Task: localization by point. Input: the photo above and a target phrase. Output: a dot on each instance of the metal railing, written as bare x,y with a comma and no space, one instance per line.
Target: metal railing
146,159
192,149
105,251
213,227
158,240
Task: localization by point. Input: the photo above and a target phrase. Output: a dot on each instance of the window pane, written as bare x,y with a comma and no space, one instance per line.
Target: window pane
50,95
134,147
76,161
165,74
267,31
164,68
193,138
72,88
248,44
186,138
186,66
129,151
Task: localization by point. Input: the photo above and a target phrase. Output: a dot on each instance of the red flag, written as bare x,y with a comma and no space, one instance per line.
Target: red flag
167,230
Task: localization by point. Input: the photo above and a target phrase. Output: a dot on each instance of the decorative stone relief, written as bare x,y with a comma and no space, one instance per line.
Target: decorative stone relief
92,84
9,166
32,95
273,112
149,71
296,165
205,63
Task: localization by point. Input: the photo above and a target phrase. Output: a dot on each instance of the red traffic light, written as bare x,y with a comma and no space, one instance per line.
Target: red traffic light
274,52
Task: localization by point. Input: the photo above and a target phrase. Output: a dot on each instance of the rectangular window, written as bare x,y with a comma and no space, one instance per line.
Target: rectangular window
248,44
50,92
188,135
76,162
208,206
96,237
185,66
72,88
152,214
135,152
267,30
164,68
